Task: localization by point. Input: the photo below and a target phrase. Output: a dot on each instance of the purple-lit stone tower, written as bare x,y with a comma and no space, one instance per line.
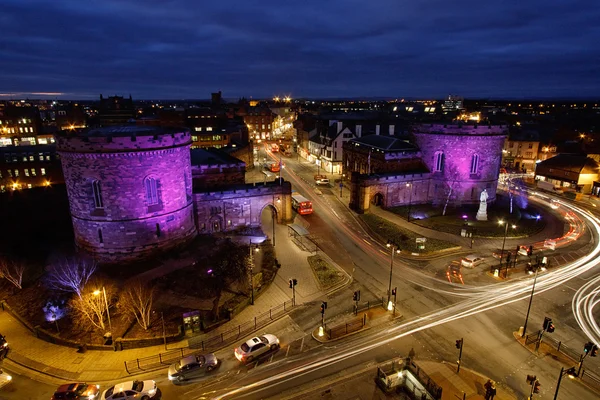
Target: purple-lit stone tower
129,188
463,157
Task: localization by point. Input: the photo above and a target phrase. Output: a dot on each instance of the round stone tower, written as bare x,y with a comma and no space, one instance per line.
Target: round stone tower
464,159
129,188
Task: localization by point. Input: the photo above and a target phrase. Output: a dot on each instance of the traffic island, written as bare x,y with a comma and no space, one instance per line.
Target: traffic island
353,325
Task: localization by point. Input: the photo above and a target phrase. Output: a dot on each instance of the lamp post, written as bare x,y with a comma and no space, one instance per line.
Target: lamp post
256,249
394,249
530,300
409,185
342,184
504,242
570,372
96,293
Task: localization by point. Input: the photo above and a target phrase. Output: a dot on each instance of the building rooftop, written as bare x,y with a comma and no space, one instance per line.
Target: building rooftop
211,156
579,163
385,142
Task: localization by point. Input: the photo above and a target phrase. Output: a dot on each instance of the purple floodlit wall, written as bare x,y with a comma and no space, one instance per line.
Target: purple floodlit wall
129,188
470,163
232,208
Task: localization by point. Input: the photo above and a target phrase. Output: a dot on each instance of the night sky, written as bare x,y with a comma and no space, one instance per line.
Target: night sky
175,49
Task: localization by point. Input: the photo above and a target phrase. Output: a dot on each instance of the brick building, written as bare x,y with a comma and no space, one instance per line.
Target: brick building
26,167
115,110
259,121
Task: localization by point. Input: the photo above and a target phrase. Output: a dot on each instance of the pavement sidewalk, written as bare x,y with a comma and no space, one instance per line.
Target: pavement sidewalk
53,363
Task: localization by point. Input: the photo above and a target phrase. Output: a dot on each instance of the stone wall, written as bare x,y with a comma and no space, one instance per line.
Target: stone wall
459,145
388,190
125,225
234,208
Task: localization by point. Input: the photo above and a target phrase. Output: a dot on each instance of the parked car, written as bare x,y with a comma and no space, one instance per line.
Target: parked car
322,181
192,366
471,261
5,378
76,391
142,390
256,347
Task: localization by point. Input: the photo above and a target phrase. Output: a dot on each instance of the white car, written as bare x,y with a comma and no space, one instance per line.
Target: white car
138,390
5,378
322,181
471,261
256,347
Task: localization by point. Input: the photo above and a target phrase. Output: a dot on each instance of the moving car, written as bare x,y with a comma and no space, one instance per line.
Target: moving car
322,181
471,261
192,366
138,390
76,391
5,378
256,347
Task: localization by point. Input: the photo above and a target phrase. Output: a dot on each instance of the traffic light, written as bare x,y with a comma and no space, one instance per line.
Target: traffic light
291,284
508,258
571,372
459,343
530,251
355,296
547,322
594,351
588,347
550,327
531,379
536,386
394,291
323,307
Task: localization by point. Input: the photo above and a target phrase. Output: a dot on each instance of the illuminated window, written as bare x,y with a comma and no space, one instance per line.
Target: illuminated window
151,191
41,157
32,172
42,141
198,128
29,186
0,174
10,172
16,173
194,138
474,163
97,191
30,158
209,128
26,172
438,165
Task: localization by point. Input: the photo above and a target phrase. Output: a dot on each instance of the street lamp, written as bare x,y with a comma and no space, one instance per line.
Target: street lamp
96,293
394,249
256,249
572,374
504,242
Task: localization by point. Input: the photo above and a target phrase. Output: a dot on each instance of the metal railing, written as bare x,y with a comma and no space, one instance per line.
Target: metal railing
343,329
211,343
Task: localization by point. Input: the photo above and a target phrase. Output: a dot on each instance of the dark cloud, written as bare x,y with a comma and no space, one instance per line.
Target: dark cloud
336,48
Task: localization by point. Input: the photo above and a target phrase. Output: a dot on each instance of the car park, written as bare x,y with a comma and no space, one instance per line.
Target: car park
471,261
138,390
256,347
192,366
76,391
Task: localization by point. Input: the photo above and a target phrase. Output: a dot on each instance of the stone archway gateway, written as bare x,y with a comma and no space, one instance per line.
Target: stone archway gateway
378,200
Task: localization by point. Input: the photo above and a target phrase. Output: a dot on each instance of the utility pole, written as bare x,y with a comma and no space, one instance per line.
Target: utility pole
394,249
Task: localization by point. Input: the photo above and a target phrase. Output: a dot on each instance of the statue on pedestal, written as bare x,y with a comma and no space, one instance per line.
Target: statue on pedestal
482,213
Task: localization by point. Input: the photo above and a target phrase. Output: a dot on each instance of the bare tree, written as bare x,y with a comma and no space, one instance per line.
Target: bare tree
452,177
137,301
12,271
90,306
71,274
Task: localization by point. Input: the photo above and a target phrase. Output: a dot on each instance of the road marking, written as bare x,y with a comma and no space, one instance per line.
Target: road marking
288,350
302,344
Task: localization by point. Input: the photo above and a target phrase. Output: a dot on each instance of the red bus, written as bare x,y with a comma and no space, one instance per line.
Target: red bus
274,148
301,204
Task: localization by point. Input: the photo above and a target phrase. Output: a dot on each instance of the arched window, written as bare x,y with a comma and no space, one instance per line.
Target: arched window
97,191
474,163
151,191
438,161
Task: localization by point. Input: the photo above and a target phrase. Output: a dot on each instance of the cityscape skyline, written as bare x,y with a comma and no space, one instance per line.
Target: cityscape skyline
69,50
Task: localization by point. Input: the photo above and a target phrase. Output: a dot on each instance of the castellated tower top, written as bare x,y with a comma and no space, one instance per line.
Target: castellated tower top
462,129
115,139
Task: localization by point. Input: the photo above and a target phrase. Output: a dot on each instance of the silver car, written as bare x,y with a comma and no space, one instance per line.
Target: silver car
192,366
256,347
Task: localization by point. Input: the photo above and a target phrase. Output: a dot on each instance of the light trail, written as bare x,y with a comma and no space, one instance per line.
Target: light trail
494,297
583,304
